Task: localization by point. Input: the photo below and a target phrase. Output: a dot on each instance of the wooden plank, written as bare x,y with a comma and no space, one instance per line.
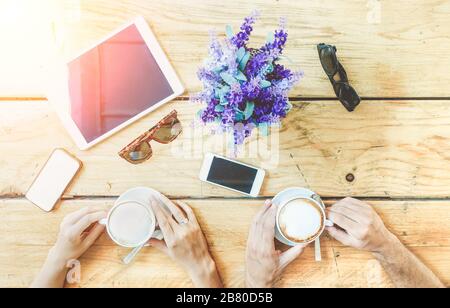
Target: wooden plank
28,233
389,51
417,223
394,149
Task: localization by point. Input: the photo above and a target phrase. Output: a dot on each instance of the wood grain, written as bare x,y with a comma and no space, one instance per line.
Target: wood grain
27,234
402,52
393,149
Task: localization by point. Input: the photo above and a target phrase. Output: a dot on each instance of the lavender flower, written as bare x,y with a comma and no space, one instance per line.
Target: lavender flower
235,96
279,41
242,37
255,65
252,89
215,49
228,116
208,115
244,88
280,72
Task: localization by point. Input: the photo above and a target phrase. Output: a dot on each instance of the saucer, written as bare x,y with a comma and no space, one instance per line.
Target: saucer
140,195
289,194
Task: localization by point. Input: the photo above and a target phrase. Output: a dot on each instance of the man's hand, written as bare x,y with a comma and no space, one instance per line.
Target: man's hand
362,228
264,263
359,226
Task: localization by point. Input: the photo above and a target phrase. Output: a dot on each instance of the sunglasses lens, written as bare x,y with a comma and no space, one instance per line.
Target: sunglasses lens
164,132
349,97
329,61
169,131
140,154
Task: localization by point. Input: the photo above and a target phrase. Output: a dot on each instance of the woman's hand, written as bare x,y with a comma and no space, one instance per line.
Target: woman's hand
264,263
75,238
184,242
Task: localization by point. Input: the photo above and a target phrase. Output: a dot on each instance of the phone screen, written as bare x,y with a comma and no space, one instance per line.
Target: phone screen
53,180
232,175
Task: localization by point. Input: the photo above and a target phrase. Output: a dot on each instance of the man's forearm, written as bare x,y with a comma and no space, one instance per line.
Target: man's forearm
404,268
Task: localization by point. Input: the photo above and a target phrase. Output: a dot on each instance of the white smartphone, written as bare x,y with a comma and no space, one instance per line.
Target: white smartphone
232,175
53,180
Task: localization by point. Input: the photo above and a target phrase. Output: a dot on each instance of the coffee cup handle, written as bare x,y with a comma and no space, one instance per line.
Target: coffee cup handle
103,222
329,223
158,235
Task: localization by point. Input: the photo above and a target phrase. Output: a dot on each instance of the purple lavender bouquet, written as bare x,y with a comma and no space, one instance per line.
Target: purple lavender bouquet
245,88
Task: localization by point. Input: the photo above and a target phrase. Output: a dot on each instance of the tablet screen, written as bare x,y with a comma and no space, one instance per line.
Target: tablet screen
115,82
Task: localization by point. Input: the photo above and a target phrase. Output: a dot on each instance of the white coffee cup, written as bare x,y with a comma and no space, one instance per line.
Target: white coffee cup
143,222
324,222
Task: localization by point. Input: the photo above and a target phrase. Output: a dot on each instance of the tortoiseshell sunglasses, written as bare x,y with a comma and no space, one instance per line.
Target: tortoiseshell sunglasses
166,131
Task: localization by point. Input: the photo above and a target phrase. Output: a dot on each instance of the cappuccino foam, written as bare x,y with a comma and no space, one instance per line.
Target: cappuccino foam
131,224
301,220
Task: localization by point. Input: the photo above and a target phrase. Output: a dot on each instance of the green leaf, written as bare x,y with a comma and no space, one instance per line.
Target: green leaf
218,69
244,61
229,31
223,100
239,117
240,76
249,110
224,90
222,94
264,129
240,54
219,108
265,84
227,78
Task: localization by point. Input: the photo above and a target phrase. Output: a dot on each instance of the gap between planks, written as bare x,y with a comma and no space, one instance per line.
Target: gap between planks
294,99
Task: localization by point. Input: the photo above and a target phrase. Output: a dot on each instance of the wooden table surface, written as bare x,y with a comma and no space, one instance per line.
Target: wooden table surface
396,145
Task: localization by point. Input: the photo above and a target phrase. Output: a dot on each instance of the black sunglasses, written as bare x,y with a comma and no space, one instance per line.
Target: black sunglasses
338,77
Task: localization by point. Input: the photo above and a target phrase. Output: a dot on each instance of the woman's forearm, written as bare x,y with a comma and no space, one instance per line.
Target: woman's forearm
207,276
52,275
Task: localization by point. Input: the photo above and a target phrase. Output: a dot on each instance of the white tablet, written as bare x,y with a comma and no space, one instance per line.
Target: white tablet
111,85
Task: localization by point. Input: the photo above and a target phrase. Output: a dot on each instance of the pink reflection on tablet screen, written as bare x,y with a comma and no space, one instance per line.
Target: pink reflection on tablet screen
113,83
